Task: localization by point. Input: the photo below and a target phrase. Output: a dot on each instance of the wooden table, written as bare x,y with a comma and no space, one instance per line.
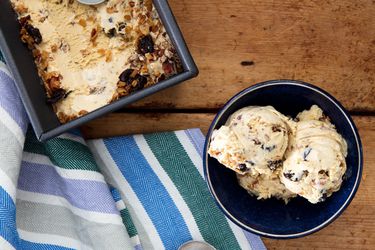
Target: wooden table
324,42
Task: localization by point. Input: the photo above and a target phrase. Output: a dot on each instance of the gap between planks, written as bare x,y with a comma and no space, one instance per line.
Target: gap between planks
117,124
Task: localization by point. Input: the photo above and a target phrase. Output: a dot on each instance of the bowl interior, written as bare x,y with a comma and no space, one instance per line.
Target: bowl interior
272,217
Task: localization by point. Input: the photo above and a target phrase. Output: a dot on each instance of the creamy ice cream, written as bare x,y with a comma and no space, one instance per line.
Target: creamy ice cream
81,51
265,186
254,139
275,156
315,162
253,143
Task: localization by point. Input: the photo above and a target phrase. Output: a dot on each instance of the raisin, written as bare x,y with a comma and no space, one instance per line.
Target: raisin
324,172
146,45
121,26
242,167
288,175
270,148
323,198
161,78
125,76
111,32
24,20
129,76
256,142
34,33
141,82
57,95
273,165
276,128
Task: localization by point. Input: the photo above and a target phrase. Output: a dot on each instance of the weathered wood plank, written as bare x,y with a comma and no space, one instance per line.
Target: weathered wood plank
327,43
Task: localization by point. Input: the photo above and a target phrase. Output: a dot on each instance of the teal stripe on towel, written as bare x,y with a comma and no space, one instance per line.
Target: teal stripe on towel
178,165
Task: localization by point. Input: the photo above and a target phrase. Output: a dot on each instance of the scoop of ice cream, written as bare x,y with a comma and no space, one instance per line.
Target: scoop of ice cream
227,149
315,161
254,139
263,132
265,186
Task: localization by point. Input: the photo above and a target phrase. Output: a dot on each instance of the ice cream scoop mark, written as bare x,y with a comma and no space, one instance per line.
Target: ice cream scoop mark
306,152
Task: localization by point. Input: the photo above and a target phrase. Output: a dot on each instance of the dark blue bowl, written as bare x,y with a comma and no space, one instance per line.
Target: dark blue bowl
272,218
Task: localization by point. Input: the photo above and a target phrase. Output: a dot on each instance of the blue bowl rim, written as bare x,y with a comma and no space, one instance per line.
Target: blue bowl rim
300,84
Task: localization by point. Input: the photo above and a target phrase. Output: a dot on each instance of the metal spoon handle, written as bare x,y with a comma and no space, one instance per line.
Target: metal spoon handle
91,2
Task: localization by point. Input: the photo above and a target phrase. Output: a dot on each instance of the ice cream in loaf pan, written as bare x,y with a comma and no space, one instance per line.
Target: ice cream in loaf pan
89,56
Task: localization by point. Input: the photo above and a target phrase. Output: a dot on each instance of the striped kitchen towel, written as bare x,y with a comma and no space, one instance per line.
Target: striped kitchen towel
132,192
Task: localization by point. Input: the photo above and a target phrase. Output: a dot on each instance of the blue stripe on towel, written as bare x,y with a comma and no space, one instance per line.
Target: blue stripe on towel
150,191
27,245
115,194
8,228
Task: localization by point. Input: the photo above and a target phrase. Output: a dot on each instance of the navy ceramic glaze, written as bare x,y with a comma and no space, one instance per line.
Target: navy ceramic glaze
272,218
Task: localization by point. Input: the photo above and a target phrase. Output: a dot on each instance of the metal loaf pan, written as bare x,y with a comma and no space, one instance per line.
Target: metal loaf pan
31,89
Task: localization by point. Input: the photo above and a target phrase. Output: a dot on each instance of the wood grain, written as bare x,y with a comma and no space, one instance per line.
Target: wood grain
354,229
117,124
327,43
